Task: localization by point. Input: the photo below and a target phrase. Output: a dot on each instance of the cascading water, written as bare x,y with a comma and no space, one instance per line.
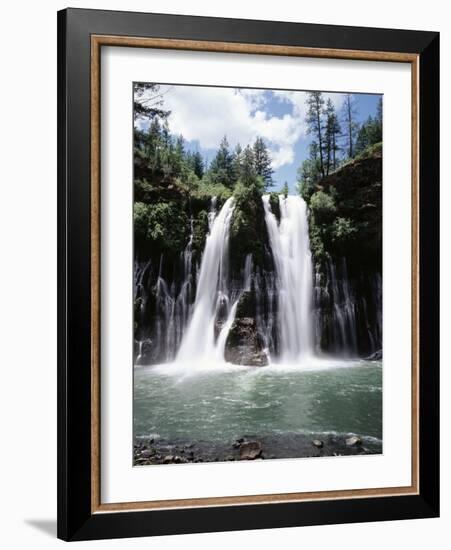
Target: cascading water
290,246
281,309
212,293
349,310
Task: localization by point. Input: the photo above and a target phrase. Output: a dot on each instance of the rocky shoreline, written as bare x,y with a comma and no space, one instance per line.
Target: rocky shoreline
160,451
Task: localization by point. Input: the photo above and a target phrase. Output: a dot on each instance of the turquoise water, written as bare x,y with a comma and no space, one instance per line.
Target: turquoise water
224,403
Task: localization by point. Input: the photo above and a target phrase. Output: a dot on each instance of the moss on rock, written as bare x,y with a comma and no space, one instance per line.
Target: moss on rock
248,234
346,212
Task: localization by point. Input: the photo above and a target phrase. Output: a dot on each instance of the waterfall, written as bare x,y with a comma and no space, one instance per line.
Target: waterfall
213,291
281,307
289,241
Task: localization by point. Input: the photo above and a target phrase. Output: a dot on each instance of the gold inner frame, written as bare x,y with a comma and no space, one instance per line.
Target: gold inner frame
97,41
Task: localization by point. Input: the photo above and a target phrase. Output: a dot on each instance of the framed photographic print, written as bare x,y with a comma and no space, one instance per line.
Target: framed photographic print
248,274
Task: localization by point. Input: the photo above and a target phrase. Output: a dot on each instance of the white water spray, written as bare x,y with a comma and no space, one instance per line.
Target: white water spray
198,342
290,246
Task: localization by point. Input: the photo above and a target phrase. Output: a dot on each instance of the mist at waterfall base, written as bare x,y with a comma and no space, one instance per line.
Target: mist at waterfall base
196,395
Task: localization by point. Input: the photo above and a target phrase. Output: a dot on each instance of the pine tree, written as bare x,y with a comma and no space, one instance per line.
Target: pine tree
262,162
154,145
309,173
237,162
221,167
148,101
165,134
315,103
350,113
332,132
284,190
197,164
179,157
370,132
248,173
379,112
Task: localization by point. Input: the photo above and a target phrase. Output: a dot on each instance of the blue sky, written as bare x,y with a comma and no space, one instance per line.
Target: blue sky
203,115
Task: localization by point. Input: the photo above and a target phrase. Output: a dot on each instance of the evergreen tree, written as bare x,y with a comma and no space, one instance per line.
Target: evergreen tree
379,112
154,145
148,101
197,164
315,125
179,163
351,127
237,162
309,173
262,162
332,132
248,173
370,133
165,134
221,167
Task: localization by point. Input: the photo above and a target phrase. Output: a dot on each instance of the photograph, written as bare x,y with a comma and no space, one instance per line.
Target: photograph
257,222
248,298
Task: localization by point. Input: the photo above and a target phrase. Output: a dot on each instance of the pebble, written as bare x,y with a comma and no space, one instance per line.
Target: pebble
352,441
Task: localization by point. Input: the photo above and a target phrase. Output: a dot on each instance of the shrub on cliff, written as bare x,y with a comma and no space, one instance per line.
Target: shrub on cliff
346,211
343,230
164,225
323,206
248,228
275,205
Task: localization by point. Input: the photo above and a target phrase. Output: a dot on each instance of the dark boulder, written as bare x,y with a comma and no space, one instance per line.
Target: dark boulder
376,356
244,345
250,450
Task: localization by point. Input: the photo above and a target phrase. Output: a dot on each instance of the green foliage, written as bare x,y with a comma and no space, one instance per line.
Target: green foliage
248,223
196,164
343,229
322,204
349,111
221,169
345,211
371,151
237,162
274,203
284,191
154,223
315,124
207,188
262,162
247,172
200,230
140,219
246,192
332,132
147,101
308,176
369,134
173,187
316,232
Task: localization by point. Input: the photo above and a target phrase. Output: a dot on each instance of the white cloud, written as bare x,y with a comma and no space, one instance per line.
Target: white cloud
206,114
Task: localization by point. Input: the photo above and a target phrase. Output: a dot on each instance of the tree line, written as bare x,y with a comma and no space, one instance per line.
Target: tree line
336,140
163,158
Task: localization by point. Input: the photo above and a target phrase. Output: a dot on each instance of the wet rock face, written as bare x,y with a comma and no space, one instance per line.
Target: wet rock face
162,451
376,356
250,450
146,352
244,345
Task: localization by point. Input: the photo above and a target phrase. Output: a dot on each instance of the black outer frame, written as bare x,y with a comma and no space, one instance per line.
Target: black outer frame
75,520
